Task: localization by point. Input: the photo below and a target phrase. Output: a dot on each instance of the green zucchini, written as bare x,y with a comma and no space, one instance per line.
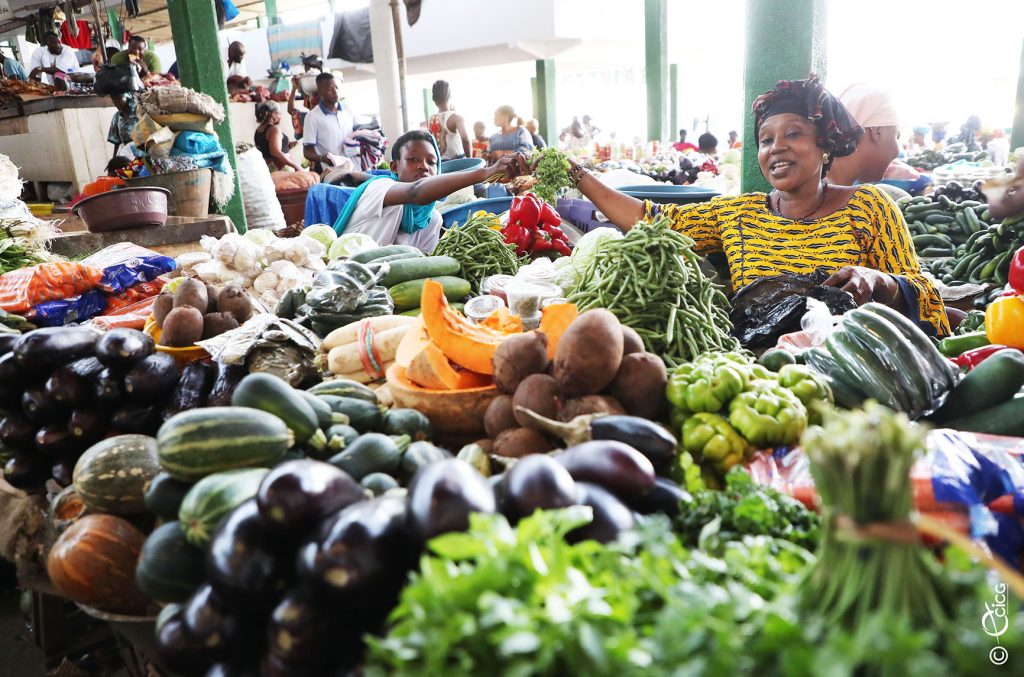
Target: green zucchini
1006,418
407,294
199,442
861,367
324,415
381,252
164,495
420,268
371,453
170,568
362,415
416,312
345,388
271,394
942,374
846,393
895,354
996,380
407,422
213,498
398,257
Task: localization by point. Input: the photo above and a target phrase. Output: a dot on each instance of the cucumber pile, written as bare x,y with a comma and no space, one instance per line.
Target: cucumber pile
409,269
938,226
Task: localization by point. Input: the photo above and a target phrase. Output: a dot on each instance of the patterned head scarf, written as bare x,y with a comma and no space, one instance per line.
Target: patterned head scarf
837,130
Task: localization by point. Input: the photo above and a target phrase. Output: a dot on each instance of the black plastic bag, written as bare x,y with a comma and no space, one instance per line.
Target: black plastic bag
117,80
767,308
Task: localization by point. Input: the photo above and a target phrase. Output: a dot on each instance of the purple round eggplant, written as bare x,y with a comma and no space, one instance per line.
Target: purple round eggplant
442,496
611,516
297,495
122,348
538,482
242,564
616,466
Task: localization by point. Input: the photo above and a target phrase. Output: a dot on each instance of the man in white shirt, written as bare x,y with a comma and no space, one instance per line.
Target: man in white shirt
236,60
327,125
52,61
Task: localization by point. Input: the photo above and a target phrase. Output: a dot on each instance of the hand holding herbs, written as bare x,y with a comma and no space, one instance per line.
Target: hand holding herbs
552,173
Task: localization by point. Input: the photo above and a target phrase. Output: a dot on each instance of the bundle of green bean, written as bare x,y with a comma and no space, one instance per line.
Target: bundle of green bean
480,248
651,281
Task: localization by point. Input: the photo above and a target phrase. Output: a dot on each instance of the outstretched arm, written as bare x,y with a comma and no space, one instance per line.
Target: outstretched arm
428,190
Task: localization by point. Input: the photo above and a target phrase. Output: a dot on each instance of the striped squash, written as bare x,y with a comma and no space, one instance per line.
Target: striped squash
93,563
113,474
212,498
199,442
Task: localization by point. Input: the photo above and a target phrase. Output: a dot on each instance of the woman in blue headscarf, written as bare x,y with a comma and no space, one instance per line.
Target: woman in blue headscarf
399,208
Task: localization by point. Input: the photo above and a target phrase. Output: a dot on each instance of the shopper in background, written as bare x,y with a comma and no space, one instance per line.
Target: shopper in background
998,148
326,125
576,139
480,140
447,126
513,137
734,140
272,142
682,145
122,124
873,110
11,68
138,53
591,129
969,134
538,140
707,143
52,61
918,142
236,60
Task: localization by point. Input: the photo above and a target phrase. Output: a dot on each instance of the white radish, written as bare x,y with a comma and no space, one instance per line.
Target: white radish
346,359
350,332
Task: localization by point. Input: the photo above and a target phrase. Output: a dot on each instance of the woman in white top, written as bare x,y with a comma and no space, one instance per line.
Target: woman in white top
447,126
399,209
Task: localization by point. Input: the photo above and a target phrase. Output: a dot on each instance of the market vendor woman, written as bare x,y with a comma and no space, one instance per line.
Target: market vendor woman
857,233
399,208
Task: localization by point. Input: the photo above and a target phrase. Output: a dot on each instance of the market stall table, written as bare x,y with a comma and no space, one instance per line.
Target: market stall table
179,236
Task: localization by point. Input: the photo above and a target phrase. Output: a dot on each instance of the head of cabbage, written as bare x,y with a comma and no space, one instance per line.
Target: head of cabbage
323,234
350,244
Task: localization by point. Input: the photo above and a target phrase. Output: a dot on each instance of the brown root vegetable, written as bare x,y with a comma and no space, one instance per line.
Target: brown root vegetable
211,296
215,324
631,341
519,357
191,293
590,404
162,306
485,444
183,326
519,442
499,416
539,393
235,300
589,354
640,385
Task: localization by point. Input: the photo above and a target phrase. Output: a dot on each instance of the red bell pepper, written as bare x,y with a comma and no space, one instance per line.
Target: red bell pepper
1016,276
972,358
540,242
548,215
517,236
525,210
562,247
555,232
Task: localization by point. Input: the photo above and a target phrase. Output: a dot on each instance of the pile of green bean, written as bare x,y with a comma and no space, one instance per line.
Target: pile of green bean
651,281
480,248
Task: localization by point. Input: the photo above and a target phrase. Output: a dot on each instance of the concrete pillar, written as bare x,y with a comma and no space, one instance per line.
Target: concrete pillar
673,101
656,50
784,41
194,31
1017,135
428,102
547,120
385,64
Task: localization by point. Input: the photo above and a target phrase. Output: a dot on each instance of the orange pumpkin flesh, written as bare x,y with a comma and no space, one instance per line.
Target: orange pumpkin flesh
504,321
431,369
468,345
414,341
555,319
93,563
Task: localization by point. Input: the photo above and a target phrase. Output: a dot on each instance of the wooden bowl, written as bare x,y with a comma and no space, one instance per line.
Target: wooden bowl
453,413
182,356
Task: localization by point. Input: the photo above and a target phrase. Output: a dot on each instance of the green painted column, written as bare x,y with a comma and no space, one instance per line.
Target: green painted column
194,30
1017,135
784,41
271,7
673,102
656,52
547,119
427,101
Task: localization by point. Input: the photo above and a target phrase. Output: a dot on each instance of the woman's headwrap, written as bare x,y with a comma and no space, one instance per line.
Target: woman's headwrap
838,132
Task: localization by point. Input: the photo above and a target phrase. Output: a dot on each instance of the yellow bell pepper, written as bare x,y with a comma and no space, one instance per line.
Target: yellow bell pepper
1004,321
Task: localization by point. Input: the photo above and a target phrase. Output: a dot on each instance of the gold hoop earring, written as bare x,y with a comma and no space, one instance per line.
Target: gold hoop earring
824,158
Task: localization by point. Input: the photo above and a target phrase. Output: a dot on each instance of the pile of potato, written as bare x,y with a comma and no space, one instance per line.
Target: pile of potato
197,311
600,367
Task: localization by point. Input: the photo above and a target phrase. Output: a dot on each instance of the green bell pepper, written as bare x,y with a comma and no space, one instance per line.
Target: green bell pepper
768,415
707,384
810,387
711,436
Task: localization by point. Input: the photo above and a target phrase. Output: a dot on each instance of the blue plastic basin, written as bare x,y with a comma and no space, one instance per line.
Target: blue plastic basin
461,165
663,193
459,213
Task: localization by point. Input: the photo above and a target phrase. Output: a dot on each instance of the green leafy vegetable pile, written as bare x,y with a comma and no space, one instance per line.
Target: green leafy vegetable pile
552,172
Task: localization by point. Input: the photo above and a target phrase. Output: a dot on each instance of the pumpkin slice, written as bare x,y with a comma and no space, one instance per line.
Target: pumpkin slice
468,345
554,320
431,369
412,343
504,321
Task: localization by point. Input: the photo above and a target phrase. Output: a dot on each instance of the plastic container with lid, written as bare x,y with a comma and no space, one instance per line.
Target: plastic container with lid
553,301
531,322
495,285
541,271
524,298
480,308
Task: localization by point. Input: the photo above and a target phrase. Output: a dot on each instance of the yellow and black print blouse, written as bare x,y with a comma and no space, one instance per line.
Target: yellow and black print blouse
869,231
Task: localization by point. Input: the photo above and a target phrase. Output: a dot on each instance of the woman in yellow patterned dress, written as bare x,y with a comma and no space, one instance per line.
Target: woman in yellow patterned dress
858,233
